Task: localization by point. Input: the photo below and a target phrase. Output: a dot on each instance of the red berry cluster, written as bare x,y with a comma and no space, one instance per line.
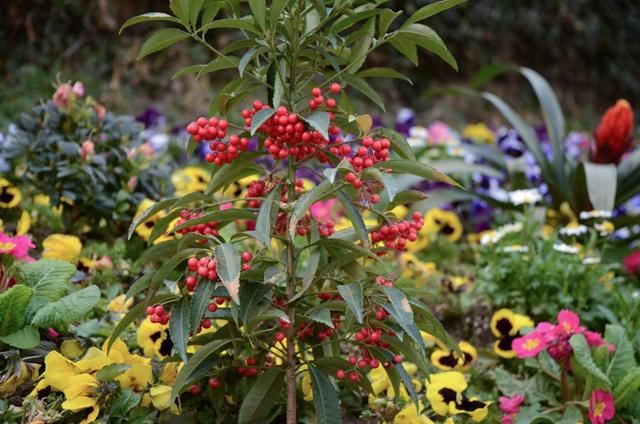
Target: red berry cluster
381,281
365,362
250,370
371,152
396,236
246,259
213,306
205,267
215,130
318,100
158,315
207,228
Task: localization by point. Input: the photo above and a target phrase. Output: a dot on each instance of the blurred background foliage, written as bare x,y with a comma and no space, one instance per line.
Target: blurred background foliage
587,49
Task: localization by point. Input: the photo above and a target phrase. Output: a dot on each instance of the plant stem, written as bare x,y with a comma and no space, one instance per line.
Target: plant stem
291,291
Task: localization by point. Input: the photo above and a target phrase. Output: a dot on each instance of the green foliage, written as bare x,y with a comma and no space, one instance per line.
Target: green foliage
93,185
42,298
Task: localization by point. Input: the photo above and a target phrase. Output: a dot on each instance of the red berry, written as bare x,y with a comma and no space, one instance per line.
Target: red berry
340,374
397,359
246,256
195,389
150,310
315,91
212,307
280,336
331,103
334,88
214,383
251,361
354,376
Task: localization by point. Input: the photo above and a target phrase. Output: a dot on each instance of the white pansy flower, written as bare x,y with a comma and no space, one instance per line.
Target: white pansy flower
419,132
490,237
573,229
515,227
591,260
516,248
595,214
565,248
525,197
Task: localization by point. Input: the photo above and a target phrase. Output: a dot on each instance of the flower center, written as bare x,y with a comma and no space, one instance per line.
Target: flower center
7,247
598,409
531,344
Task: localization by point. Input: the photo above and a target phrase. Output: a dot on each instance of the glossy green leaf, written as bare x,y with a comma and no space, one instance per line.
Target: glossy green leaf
402,313
399,143
251,295
352,295
199,301
218,64
160,40
431,10
258,10
110,372
258,402
325,397
179,327
232,24
228,268
148,17
420,169
263,222
363,87
193,69
319,121
260,118
304,203
354,217
198,362
406,47
382,73
428,39
148,213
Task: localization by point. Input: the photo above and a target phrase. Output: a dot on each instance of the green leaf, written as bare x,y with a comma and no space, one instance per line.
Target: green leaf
431,10
193,69
199,302
218,64
161,39
382,73
601,184
251,295
231,24
582,355
194,7
428,322
169,265
361,46
199,361
402,313
148,213
420,169
321,315
148,17
629,385
399,143
263,223
231,172
354,216
134,313
110,372
455,166
260,118
352,294
553,118
48,278
228,268
303,204
622,359
275,12
319,121
70,308
246,58
325,397
406,47
180,8
258,10
311,265
363,87
25,338
125,402
428,39
261,397
223,215
179,327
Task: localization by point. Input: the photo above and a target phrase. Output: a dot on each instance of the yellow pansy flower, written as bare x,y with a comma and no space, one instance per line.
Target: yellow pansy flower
62,247
448,360
506,325
24,224
144,229
409,415
445,393
160,396
120,305
137,378
81,394
10,195
479,132
15,376
154,339
71,348
190,179
437,222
